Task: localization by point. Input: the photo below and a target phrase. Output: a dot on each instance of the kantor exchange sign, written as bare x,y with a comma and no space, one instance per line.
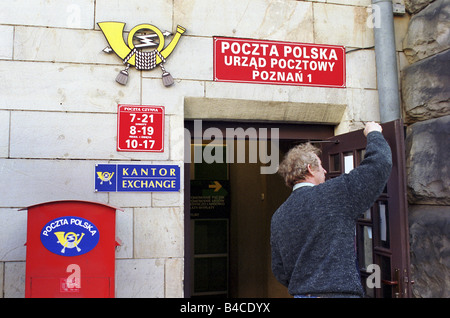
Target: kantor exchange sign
275,62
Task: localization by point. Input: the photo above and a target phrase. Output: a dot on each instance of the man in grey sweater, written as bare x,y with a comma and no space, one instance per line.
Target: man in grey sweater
313,231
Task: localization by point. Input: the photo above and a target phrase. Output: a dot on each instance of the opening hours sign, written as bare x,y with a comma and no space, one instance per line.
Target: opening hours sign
275,62
140,128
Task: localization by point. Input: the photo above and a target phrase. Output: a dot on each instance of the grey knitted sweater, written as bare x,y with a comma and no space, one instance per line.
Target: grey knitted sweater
313,231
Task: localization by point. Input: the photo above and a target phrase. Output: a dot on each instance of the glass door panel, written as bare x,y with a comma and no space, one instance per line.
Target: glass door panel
384,224
210,268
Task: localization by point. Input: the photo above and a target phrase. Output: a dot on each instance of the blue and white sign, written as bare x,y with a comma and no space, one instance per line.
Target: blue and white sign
69,236
137,178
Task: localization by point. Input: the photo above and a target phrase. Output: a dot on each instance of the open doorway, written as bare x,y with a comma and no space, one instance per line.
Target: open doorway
229,205
228,251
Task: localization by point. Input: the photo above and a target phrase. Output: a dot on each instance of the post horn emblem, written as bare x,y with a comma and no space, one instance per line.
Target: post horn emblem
105,176
69,240
132,53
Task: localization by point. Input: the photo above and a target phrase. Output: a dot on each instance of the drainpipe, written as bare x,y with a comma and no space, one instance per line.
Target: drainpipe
386,60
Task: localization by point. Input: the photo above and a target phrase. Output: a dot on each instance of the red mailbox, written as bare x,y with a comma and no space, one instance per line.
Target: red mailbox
70,250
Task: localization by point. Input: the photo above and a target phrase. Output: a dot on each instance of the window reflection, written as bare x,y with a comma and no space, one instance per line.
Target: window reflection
348,162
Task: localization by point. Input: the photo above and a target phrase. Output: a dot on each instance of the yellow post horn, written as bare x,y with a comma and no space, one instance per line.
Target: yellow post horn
113,32
166,52
60,237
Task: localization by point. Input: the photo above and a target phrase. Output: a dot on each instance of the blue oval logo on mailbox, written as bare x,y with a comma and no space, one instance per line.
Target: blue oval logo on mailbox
69,236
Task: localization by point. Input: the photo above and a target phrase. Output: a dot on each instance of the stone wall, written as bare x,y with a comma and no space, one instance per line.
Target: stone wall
58,119
426,101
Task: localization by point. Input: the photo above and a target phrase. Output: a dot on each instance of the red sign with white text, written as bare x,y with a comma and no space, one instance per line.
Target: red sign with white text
275,62
140,128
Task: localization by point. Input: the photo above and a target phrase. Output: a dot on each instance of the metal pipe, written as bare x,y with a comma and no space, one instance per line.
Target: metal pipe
386,60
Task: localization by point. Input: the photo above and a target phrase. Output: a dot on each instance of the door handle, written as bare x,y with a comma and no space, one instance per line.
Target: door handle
396,289
389,282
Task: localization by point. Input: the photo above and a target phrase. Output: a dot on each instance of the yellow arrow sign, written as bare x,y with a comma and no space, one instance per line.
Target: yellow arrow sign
216,186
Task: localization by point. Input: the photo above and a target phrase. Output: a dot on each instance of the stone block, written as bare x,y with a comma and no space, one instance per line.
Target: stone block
414,6
238,109
322,95
158,232
13,235
428,32
365,3
362,104
342,25
50,13
256,19
14,280
428,174
6,39
27,182
357,61
130,199
168,199
247,91
124,232
177,133
192,59
65,87
61,45
426,88
174,277
430,250
4,134
72,136
172,98
140,278
134,12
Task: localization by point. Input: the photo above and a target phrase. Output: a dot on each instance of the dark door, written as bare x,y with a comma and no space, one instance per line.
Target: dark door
381,234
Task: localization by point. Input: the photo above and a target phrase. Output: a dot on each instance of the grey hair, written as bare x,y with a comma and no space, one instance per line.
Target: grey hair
294,167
